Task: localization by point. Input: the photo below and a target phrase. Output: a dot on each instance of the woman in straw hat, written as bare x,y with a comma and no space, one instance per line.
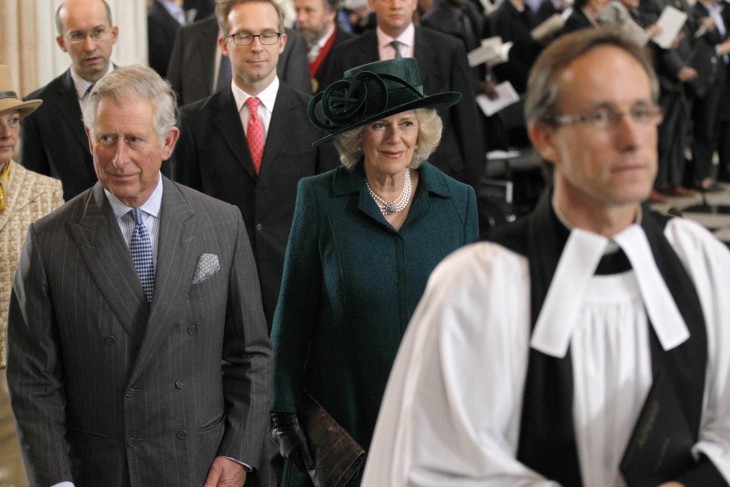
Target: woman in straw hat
364,240
24,197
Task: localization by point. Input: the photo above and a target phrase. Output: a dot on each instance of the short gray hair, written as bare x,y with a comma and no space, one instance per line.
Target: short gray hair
542,103
59,24
135,82
349,144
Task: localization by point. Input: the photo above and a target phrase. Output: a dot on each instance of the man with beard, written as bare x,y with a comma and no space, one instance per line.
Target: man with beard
316,21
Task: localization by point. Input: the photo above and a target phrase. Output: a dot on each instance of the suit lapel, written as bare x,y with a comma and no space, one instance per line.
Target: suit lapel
228,123
177,252
68,104
369,51
107,260
425,57
279,124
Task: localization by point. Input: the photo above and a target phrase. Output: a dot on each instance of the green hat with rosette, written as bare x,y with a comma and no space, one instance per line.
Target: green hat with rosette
370,92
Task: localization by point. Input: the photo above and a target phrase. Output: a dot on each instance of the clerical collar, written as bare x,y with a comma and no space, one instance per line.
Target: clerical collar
612,246
578,261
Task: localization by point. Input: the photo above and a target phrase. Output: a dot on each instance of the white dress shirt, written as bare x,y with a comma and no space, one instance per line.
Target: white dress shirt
265,108
406,40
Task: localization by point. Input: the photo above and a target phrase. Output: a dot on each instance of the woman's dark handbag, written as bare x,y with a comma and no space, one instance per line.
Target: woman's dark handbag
338,457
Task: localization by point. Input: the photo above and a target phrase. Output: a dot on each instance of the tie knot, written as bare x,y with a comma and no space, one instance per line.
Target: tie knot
88,90
253,104
136,215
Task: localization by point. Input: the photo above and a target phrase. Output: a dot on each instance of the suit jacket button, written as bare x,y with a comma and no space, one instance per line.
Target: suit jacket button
179,384
192,329
129,393
110,340
130,443
259,227
181,435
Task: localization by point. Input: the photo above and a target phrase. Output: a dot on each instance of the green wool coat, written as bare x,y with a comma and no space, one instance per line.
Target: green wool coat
351,283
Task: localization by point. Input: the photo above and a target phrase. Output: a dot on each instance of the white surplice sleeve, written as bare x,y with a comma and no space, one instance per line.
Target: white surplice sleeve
708,263
451,412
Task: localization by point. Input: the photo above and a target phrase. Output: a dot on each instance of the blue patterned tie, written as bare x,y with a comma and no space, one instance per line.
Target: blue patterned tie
141,249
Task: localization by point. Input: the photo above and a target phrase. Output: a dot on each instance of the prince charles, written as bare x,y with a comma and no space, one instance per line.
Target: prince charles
138,349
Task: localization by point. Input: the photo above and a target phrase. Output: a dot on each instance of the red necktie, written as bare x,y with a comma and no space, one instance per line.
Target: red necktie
255,133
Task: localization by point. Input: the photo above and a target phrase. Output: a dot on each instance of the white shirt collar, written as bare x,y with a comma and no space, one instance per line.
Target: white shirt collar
267,96
175,11
407,37
151,206
82,85
323,40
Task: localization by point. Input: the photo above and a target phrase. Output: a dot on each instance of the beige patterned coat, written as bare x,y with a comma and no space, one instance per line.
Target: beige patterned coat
30,196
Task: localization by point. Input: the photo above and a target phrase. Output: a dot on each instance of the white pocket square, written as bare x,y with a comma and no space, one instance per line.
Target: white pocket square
206,268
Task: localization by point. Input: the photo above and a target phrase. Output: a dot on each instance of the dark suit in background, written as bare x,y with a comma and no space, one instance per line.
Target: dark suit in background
706,108
203,8
53,141
513,25
161,31
192,64
443,66
213,157
109,390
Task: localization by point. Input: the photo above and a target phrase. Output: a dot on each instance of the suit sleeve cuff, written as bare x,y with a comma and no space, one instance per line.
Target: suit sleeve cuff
248,467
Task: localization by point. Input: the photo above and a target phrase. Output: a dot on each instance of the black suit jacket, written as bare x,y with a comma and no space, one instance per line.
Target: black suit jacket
53,141
110,390
577,20
192,63
161,31
443,18
514,26
443,66
213,157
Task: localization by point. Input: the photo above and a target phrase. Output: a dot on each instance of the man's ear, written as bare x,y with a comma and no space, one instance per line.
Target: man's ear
223,45
168,144
61,43
88,138
542,137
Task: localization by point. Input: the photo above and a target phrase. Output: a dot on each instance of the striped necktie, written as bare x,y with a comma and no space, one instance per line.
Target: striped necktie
396,48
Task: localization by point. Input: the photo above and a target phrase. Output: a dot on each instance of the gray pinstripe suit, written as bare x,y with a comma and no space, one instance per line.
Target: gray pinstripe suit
111,391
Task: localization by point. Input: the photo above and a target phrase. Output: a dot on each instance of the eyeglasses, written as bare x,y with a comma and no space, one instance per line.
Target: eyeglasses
607,118
245,39
96,34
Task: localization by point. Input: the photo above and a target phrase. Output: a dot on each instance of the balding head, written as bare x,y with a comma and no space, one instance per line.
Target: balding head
86,33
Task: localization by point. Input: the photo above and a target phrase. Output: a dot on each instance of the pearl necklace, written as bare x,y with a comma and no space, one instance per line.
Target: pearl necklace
397,205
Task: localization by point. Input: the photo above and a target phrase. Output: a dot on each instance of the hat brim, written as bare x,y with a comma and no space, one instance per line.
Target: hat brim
438,102
24,108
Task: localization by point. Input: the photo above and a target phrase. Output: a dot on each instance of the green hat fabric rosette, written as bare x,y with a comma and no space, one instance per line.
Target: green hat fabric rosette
370,92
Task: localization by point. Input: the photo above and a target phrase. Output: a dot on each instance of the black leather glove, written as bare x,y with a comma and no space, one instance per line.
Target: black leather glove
287,433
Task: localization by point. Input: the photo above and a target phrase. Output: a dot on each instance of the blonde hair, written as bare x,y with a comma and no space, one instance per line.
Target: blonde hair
349,144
